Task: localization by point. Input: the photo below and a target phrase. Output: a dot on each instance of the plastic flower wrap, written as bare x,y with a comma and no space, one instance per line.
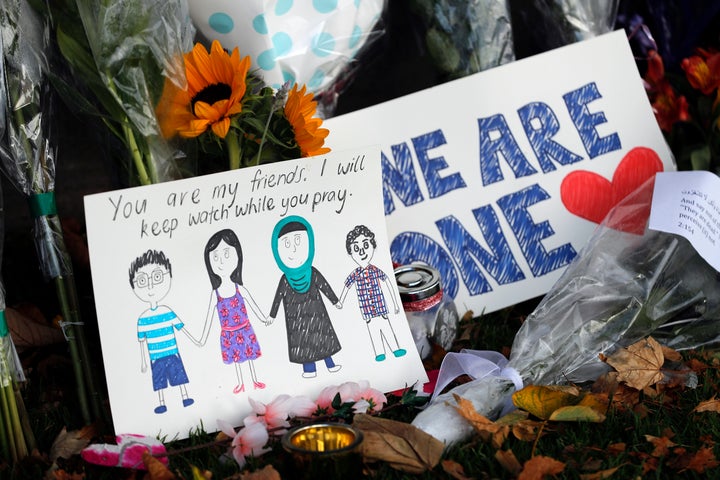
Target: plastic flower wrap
120,52
308,43
16,438
464,37
27,157
621,288
232,113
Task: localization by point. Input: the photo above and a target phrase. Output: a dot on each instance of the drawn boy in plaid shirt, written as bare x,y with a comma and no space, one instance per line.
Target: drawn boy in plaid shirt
360,245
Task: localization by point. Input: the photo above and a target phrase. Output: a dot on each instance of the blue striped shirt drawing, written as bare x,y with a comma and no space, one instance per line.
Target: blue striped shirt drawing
157,329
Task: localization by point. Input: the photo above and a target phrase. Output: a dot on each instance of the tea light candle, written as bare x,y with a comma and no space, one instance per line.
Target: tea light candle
325,448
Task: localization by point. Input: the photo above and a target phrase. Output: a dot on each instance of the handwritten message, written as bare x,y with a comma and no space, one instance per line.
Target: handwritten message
245,284
688,204
476,171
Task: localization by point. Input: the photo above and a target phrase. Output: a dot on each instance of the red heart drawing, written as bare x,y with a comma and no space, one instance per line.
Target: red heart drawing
591,196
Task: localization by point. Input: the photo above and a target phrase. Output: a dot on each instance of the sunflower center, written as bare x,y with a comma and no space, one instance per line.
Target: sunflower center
212,93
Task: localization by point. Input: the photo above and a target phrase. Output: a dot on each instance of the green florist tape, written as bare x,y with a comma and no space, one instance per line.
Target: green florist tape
3,324
42,204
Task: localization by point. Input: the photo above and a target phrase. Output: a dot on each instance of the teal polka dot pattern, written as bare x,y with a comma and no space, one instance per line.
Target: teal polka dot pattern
221,22
325,6
259,24
323,44
283,7
302,41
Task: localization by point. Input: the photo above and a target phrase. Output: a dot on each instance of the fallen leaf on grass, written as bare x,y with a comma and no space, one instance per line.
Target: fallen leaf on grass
156,469
508,461
703,460
638,365
267,473
590,408
454,469
401,445
662,445
599,475
488,430
542,401
538,467
712,405
67,444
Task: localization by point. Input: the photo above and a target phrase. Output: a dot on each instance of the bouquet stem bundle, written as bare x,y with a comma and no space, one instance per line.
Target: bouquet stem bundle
16,436
28,161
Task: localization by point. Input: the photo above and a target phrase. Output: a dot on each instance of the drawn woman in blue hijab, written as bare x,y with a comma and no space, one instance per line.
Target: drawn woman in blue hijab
310,333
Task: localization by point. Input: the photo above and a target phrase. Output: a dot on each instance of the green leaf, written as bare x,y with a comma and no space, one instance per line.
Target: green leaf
577,413
700,158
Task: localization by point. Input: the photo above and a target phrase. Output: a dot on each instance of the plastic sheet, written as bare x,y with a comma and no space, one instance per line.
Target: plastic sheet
621,288
135,44
466,37
308,43
27,157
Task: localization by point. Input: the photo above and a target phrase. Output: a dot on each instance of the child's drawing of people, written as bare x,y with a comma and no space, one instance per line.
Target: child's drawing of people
360,245
150,279
228,303
310,333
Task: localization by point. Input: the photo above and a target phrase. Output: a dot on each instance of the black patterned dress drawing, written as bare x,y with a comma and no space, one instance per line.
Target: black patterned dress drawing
311,336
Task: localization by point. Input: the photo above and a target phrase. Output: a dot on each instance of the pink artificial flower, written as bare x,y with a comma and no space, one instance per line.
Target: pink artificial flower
325,398
276,413
351,392
248,441
374,397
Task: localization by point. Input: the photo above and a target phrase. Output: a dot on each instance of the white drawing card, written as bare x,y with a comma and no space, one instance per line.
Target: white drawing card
244,284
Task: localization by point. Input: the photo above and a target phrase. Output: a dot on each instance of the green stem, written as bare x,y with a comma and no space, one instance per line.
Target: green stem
233,146
135,153
11,452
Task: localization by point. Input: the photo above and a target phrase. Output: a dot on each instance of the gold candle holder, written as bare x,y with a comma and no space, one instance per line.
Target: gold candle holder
325,449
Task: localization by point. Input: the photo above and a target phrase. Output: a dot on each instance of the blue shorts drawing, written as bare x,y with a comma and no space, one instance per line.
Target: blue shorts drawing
168,370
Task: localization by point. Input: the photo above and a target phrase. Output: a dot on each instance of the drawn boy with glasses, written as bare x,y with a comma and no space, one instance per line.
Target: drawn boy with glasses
150,278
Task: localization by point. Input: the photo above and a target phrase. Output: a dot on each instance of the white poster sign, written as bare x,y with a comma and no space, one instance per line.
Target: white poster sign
498,179
251,283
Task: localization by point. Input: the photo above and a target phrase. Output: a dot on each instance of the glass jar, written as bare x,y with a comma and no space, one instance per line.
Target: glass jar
432,316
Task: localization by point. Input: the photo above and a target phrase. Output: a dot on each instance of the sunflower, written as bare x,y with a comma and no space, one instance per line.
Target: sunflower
216,83
300,111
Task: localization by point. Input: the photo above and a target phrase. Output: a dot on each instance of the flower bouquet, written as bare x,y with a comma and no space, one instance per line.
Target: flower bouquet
233,115
621,288
27,157
117,55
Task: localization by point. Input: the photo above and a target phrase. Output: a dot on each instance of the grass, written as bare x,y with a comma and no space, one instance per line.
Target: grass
620,442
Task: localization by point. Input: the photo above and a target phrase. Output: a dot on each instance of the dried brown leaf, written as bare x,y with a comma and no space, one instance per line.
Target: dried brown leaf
703,460
401,445
61,474
671,354
156,469
538,467
454,469
662,445
599,475
639,365
712,405
67,444
508,461
267,473
616,448
488,430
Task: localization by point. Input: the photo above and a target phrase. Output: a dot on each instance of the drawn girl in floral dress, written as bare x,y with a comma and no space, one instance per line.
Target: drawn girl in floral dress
228,301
